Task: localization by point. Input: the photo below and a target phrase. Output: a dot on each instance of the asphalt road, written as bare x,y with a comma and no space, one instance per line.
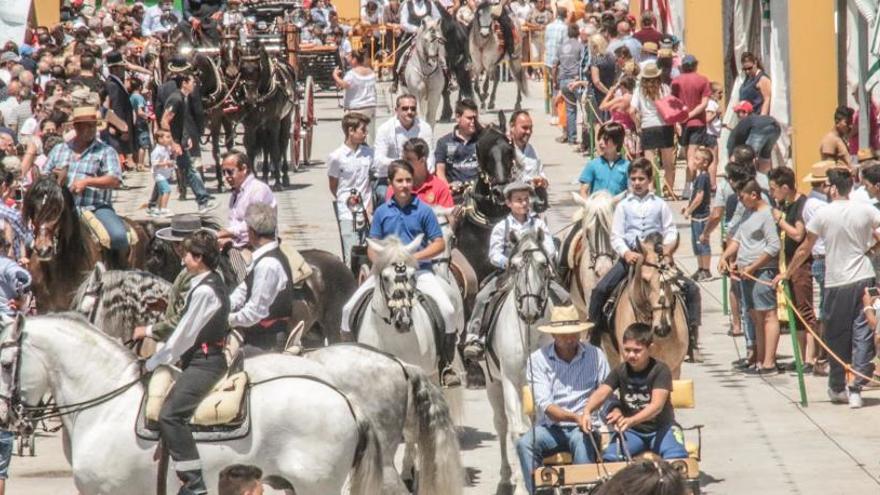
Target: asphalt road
757,438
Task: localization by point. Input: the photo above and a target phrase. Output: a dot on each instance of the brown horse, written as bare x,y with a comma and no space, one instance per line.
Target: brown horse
65,250
590,253
651,296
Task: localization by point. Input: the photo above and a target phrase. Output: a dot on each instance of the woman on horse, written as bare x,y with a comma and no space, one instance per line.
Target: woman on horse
198,343
407,217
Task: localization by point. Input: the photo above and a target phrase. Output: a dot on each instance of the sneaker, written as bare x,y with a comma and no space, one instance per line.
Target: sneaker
855,397
474,351
207,206
152,212
838,397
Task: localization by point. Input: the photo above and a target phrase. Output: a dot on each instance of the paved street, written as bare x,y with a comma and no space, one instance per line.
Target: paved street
757,439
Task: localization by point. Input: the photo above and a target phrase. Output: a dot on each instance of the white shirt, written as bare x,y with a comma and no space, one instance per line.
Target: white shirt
859,193
811,207
419,7
161,163
531,164
390,137
713,127
203,303
7,108
635,218
647,109
499,241
361,92
521,11
352,169
269,280
848,229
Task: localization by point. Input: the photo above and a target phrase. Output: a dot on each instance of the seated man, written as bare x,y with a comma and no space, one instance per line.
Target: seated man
563,375
518,198
638,214
406,217
645,419
262,304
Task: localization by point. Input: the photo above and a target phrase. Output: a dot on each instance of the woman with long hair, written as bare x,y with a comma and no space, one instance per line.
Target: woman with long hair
617,103
657,136
756,88
359,85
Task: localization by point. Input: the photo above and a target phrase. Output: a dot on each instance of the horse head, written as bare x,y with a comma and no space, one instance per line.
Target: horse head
483,19
395,269
657,287
497,160
430,40
208,75
253,70
595,215
49,209
530,270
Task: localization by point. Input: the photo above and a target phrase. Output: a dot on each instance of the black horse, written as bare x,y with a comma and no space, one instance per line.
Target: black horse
268,86
458,59
484,200
215,94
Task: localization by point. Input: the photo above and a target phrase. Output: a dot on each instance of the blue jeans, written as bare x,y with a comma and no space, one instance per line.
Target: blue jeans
542,441
7,439
748,327
570,110
818,269
115,226
184,163
349,238
667,442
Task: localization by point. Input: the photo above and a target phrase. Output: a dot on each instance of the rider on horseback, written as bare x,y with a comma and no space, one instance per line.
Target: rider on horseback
413,12
518,198
198,343
407,217
456,153
638,214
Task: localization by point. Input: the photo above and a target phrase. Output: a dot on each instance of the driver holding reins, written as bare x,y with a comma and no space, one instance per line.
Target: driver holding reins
637,215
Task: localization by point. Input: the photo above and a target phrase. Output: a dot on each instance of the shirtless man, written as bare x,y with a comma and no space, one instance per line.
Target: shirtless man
834,145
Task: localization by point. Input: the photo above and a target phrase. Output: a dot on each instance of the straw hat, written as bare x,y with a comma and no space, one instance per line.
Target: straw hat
650,71
181,227
564,320
85,114
819,171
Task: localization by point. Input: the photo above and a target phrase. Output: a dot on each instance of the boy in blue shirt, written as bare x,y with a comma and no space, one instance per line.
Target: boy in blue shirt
608,171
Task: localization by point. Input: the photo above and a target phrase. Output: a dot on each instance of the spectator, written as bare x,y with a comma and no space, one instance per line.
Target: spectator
759,132
648,34
834,144
756,87
142,123
698,212
752,256
617,103
554,35
161,160
359,84
713,127
120,131
624,38
649,54
657,135
9,105
694,90
603,71
348,171
610,170
567,70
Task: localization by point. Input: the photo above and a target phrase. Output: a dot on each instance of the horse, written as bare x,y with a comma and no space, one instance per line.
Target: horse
404,406
458,59
512,338
650,296
329,287
268,85
423,73
302,429
215,95
461,288
596,257
483,200
487,53
64,249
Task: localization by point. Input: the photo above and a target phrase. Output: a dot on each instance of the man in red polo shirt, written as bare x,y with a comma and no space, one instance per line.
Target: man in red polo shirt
428,187
693,89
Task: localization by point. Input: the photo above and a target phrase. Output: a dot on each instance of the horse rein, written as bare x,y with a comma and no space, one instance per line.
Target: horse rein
541,297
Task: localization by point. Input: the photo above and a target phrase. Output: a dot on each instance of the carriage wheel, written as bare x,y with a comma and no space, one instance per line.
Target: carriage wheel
309,119
295,139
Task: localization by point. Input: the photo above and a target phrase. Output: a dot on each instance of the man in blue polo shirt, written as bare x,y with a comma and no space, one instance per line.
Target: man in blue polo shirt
455,156
405,216
608,171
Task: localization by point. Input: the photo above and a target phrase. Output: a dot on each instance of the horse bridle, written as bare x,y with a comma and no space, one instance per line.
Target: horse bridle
400,276
541,297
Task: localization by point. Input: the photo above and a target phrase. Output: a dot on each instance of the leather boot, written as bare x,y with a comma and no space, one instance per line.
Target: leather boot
448,376
193,483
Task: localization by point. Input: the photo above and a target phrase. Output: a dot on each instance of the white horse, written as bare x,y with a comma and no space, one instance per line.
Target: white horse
487,53
514,337
404,405
423,73
302,430
597,256
443,265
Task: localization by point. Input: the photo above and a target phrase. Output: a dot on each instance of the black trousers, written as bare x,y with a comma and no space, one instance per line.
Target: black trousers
191,387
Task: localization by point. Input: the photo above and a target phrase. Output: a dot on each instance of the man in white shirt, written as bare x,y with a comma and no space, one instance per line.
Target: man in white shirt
348,170
8,106
262,304
849,229
532,169
390,137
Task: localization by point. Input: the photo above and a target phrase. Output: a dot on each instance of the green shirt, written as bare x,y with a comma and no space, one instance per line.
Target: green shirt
162,329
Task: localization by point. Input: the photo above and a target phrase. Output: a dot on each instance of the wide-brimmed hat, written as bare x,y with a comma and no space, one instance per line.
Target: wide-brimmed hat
565,320
179,65
650,47
114,59
819,171
516,186
85,114
181,227
650,71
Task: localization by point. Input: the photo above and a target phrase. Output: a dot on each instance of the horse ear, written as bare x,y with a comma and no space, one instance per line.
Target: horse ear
502,123
415,244
375,245
578,199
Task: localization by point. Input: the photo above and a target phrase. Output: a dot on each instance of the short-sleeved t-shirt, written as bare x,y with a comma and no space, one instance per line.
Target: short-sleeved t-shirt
459,156
647,109
177,105
847,227
351,168
636,389
794,212
602,176
690,88
406,223
702,182
571,52
607,71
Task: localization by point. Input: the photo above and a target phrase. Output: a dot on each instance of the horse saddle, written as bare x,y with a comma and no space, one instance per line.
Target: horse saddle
99,232
363,303
300,269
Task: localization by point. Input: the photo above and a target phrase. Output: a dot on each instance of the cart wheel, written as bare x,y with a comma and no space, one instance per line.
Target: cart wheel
295,139
309,119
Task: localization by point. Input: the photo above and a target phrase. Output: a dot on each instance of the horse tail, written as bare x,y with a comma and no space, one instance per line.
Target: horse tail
440,469
366,471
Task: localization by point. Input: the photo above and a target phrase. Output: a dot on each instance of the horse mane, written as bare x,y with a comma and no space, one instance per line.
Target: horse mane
598,211
47,201
393,251
507,29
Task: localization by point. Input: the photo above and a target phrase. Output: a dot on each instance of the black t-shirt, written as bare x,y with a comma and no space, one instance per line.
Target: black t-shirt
636,390
794,212
702,183
177,105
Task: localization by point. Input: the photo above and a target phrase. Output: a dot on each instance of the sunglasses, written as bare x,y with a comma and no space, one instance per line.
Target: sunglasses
408,109
229,172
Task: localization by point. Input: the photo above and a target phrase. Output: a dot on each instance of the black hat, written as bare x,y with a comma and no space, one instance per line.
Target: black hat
114,59
181,227
179,65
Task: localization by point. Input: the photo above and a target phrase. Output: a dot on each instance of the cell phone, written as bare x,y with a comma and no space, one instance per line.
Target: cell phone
874,291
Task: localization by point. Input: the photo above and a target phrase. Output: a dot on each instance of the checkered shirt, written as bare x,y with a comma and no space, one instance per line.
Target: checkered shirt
97,160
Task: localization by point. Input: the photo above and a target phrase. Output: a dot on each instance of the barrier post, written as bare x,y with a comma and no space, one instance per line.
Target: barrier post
725,290
792,329
547,95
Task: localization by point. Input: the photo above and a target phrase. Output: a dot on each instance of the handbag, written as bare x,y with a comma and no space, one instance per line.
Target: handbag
672,110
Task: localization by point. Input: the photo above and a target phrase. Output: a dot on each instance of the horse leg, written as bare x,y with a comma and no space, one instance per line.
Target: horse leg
446,114
283,146
496,76
516,420
274,150
499,418
484,96
408,467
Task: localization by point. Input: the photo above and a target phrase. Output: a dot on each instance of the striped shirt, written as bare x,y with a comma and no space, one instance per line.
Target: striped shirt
566,385
554,34
98,160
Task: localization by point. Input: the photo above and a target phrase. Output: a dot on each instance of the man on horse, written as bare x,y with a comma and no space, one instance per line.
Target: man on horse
518,198
263,303
90,169
563,375
456,153
532,170
391,135
429,188
638,214
413,12
197,342
407,217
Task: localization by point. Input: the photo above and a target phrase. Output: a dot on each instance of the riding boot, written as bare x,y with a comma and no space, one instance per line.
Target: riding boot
693,354
448,376
193,483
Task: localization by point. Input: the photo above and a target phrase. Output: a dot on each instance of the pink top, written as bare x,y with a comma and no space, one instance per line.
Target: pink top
252,190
